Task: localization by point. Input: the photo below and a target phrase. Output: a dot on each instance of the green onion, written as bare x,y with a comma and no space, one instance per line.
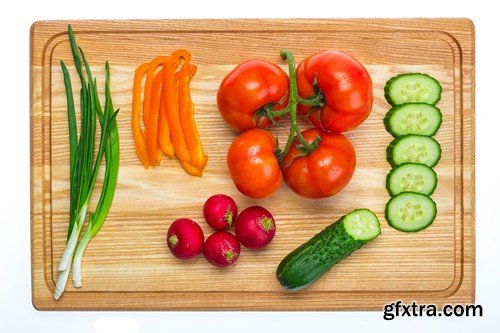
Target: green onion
84,165
97,218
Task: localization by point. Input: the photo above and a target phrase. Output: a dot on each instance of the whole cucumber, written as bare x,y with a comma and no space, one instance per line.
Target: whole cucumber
311,260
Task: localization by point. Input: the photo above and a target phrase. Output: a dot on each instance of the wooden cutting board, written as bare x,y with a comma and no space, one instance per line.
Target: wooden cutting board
127,265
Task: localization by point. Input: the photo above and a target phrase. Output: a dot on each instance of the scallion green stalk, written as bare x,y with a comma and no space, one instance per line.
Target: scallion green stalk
97,218
84,167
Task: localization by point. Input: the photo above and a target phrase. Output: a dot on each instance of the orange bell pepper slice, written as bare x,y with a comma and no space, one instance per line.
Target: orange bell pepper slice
168,113
164,132
158,61
186,114
139,138
169,96
159,153
181,54
150,113
192,170
153,113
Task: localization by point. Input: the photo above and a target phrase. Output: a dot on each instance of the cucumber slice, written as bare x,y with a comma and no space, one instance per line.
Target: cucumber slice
314,258
415,149
362,224
411,177
410,211
413,118
412,88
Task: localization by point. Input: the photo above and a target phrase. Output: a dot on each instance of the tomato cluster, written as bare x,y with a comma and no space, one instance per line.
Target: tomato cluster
332,89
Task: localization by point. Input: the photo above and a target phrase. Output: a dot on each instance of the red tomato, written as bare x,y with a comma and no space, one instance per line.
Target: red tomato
325,171
346,87
250,86
254,168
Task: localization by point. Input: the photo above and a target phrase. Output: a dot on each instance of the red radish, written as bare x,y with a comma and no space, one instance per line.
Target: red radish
185,238
255,227
221,249
220,211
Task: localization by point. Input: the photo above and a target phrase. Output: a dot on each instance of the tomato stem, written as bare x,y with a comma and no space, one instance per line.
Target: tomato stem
267,111
291,108
314,101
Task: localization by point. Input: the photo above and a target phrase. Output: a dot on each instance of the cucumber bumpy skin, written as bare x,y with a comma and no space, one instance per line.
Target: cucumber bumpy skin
311,260
418,88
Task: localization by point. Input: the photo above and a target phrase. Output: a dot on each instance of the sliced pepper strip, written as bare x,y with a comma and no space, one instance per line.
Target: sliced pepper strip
151,115
181,54
192,170
158,61
139,138
169,95
154,109
168,113
164,132
186,113
159,153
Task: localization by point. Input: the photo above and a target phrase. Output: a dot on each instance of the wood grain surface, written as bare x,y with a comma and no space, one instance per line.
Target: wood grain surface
127,265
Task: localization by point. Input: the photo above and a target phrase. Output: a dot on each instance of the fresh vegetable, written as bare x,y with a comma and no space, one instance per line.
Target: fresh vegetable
185,238
85,164
339,89
168,113
315,164
311,260
410,212
253,167
411,177
255,171
111,153
412,88
150,110
138,133
220,211
164,135
413,118
255,227
249,93
415,149
221,249
186,111
171,109
324,171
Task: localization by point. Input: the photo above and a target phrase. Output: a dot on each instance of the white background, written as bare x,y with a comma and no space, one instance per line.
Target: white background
16,311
